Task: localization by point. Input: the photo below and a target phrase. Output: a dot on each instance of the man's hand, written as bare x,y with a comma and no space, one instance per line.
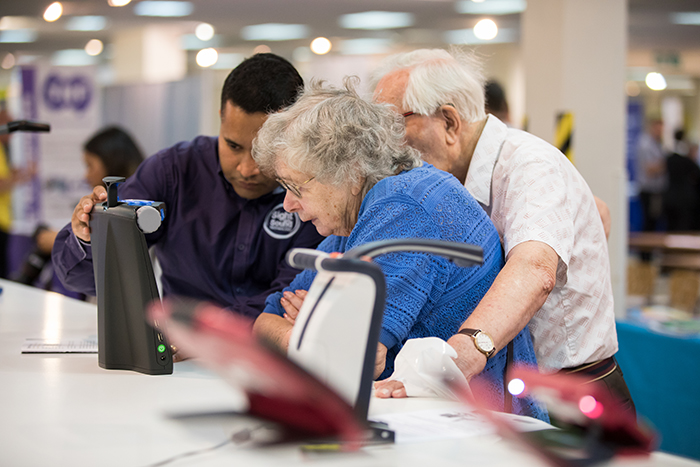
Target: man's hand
520,289
80,220
291,302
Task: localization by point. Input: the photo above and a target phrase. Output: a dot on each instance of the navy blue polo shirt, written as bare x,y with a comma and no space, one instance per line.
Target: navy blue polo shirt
213,245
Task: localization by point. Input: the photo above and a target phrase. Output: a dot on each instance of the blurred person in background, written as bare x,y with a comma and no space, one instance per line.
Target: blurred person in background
495,101
9,178
651,173
109,152
682,195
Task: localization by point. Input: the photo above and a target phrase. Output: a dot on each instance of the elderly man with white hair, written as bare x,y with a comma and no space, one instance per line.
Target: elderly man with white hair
557,273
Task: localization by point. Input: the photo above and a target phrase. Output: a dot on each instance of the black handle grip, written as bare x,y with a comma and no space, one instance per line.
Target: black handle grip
304,258
112,183
462,254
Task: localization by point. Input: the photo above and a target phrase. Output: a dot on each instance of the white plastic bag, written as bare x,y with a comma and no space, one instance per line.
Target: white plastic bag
423,365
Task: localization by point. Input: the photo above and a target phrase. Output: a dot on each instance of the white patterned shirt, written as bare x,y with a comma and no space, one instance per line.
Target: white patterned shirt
532,192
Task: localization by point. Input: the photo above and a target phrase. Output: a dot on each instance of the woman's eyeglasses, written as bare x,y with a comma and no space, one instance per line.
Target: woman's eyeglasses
295,189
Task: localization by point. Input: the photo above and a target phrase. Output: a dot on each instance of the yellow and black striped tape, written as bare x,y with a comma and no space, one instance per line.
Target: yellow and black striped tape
564,134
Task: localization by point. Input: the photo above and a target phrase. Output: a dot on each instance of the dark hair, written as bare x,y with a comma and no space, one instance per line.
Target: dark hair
679,134
117,151
262,83
495,98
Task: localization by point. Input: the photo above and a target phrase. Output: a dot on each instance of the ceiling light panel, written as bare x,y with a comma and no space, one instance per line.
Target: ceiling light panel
688,17
72,57
376,20
192,42
275,32
491,7
86,23
16,22
163,8
365,46
467,36
18,36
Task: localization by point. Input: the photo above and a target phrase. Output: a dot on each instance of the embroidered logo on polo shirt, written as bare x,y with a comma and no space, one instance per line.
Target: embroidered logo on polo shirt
281,224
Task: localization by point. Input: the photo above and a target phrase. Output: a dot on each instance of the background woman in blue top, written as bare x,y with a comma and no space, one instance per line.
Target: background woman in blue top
347,170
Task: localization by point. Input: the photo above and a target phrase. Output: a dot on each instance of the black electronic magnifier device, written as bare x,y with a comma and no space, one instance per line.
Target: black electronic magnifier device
126,285
124,278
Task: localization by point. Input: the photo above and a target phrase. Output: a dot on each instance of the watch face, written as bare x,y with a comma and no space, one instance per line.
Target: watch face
484,342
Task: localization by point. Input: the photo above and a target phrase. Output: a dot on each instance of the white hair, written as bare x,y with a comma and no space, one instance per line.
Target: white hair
438,77
337,137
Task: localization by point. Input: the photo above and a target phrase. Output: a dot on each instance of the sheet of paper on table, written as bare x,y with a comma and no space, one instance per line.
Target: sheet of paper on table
451,423
70,345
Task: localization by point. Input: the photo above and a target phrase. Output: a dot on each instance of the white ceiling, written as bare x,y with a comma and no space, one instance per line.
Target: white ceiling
649,22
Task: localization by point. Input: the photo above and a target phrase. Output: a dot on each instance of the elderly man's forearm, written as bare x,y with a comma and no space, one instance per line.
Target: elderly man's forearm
520,289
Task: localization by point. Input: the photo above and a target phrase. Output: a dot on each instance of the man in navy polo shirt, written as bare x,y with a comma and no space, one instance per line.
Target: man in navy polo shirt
225,233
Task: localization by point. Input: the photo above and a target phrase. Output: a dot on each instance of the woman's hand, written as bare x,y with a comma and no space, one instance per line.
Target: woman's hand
380,361
291,302
389,388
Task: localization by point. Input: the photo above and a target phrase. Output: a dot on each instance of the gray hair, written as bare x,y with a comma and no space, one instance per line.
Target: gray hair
336,136
438,77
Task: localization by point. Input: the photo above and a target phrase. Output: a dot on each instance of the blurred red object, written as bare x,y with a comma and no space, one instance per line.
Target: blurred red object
589,425
278,390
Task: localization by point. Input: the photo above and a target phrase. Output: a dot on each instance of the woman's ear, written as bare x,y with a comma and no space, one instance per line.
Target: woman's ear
452,123
357,187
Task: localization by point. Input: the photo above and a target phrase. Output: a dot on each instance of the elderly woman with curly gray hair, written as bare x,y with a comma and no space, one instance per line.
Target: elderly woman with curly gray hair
347,169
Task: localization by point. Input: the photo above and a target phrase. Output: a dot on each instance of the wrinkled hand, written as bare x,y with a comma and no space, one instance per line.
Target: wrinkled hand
380,360
291,302
389,388
469,360
80,220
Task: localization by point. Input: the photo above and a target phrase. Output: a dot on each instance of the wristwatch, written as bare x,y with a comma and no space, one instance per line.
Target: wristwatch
482,341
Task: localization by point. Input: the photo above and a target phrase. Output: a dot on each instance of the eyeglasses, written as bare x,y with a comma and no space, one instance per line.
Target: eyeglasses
295,189
411,112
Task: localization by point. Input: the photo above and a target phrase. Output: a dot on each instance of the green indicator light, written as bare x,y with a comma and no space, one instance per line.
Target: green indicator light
161,348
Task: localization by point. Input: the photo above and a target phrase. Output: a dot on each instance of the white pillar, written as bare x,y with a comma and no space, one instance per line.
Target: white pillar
151,54
575,55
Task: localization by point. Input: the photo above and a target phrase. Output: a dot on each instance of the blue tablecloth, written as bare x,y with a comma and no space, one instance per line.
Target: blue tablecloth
663,376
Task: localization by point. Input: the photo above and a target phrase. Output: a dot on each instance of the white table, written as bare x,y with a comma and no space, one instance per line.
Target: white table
64,410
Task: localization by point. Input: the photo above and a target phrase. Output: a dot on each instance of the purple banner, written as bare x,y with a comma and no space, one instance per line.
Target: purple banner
33,154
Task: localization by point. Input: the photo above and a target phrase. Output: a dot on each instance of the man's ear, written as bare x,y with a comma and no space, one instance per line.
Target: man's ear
452,123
